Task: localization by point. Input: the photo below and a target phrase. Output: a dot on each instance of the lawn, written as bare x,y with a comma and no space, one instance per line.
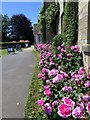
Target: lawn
32,110
3,52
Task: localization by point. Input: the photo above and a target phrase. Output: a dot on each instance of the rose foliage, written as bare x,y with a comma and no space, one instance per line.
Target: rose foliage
66,85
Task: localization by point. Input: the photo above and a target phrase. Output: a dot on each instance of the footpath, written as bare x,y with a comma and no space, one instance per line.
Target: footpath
17,71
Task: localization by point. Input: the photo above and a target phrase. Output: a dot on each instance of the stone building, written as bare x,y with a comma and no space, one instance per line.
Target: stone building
37,34
83,26
84,30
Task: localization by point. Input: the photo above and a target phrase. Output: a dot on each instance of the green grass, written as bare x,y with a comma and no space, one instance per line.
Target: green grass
3,52
32,110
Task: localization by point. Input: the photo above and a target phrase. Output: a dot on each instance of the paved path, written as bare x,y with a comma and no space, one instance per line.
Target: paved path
17,70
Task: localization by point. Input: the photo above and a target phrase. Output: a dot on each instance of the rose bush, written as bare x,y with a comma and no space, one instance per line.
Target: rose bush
66,93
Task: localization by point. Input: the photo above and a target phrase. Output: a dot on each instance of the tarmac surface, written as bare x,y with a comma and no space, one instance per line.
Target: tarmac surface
17,71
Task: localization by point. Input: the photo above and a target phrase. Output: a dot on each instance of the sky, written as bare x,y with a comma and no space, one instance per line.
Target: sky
29,9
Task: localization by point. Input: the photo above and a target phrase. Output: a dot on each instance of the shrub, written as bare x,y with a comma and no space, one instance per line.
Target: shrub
4,45
66,90
56,41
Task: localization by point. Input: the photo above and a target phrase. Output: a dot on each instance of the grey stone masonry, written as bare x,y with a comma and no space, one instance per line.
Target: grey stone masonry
82,23
84,30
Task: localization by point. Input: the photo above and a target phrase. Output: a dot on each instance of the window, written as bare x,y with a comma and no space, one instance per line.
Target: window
62,21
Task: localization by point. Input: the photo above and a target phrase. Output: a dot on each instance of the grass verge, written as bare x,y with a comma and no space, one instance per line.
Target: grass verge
3,52
32,110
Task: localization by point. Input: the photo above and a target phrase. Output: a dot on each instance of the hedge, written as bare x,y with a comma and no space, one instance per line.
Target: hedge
4,45
70,25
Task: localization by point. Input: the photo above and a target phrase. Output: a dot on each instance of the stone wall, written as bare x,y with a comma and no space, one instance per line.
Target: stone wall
89,22
83,28
82,23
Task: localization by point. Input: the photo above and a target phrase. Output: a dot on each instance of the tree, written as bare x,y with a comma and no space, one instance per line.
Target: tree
21,28
5,24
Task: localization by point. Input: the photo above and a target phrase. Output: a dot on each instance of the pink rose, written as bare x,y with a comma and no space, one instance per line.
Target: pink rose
41,63
48,82
40,102
47,92
63,50
47,109
46,87
77,112
45,70
53,72
69,55
81,70
81,105
62,45
78,76
65,75
64,110
77,48
55,103
46,63
51,63
88,108
69,89
50,59
88,76
87,84
72,47
68,101
60,56
85,97
40,75
65,88
43,78
89,67
57,78
58,48
73,74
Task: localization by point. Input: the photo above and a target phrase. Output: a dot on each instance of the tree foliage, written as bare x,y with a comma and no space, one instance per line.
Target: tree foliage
56,41
21,28
5,24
